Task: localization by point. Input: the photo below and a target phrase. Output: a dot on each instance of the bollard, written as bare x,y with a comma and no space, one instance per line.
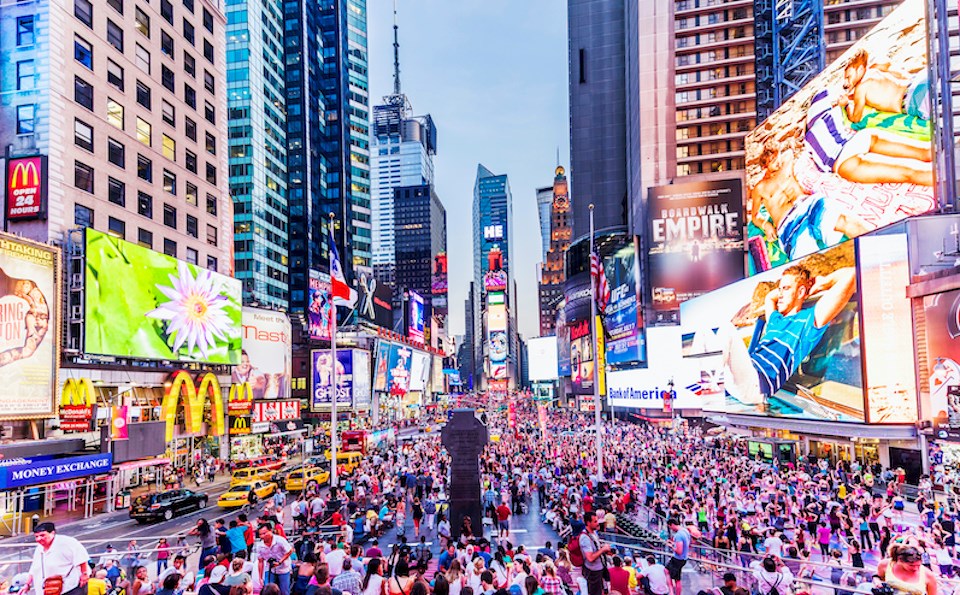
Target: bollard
35,520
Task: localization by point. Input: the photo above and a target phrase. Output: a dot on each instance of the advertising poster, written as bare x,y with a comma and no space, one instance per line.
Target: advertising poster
144,304
382,362
581,357
542,359
322,388
362,395
783,343
644,388
376,302
26,188
419,371
848,153
415,323
496,317
320,311
942,313
398,371
696,239
890,377
29,327
266,358
623,317
946,423
563,340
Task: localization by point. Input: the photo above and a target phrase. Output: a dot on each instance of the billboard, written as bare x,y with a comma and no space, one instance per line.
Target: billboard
320,311
361,379
696,239
382,362
322,388
848,153
29,328
376,302
644,388
26,188
623,316
784,343
495,281
398,369
581,357
147,305
889,377
417,317
266,358
419,371
542,359
942,315
497,317
563,339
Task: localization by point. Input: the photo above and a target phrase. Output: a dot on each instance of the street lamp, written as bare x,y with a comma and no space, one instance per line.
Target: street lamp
672,404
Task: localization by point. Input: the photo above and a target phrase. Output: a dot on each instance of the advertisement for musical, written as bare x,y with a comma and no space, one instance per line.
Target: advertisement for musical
320,309
266,358
323,379
29,328
696,239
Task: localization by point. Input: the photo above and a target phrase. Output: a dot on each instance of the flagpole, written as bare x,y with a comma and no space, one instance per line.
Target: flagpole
596,359
333,377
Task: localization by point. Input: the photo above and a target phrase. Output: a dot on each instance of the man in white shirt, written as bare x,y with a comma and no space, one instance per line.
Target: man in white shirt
58,555
335,560
657,575
773,545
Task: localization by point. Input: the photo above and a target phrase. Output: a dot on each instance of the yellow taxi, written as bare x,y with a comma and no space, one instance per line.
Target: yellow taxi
303,477
346,461
250,474
239,495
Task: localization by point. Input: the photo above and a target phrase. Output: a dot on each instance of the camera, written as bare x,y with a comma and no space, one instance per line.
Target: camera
272,563
883,589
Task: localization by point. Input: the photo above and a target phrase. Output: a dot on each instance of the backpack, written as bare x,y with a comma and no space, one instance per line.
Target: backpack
774,590
576,556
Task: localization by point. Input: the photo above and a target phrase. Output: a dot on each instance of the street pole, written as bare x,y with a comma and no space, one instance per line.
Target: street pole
596,359
333,379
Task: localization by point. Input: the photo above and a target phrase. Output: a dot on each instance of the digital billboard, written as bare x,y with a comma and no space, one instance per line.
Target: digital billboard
382,362
581,357
890,377
942,315
644,388
322,388
26,188
419,371
29,328
362,395
320,311
785,342
696,239
266,358
848,153
563,340
376,302
417,316
497,317
623,316
398,369
144,304
542,361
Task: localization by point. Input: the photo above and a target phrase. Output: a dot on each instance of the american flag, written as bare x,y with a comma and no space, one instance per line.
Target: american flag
599,282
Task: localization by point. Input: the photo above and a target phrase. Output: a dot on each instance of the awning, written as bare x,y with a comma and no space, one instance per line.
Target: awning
287,428
129,465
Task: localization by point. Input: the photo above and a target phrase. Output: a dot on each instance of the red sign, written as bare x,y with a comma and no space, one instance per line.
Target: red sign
268,411
667,397
75,418
26,187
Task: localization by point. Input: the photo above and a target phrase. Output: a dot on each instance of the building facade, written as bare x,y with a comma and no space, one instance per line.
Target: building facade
544,204
421,234
492,220
552,275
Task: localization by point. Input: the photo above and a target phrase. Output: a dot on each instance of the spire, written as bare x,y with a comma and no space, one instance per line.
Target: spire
396,52
558,155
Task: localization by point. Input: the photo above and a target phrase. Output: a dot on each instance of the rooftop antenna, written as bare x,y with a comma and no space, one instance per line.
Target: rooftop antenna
396,52
558,155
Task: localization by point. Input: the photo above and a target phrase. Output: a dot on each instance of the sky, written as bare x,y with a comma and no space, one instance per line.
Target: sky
493,75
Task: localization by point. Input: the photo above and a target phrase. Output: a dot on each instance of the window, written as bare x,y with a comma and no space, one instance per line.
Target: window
212,204
190,160
117,192
143,22
169,247
209,83
144,168
188,32
115,74
211,235
143,131
114,114
166,11
117,5
25,75
144,95
169,147
83,135
211,144
26,118
190,128
209,112
208,51
191,194
83,92
25,34
192,256
169,182
170,216
167,77
212,263
116,227
82,216
212,174
114,35
145,204
188,4
166,44
207,20
168,112
145,238
83,10
143,59
190,96
189,64
116,153
192,227
83,51
83,176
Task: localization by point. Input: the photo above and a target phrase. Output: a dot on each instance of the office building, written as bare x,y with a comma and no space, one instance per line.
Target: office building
544,203
421,234
492,220
256,104
553,275
126,100
467,352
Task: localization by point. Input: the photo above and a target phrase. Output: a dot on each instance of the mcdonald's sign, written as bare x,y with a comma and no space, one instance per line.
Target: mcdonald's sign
196,392
26,188
76,405
240,398
239,425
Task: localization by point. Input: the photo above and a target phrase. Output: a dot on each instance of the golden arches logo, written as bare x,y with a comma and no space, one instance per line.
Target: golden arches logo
242,391
78,391
240,425
25,170
180,382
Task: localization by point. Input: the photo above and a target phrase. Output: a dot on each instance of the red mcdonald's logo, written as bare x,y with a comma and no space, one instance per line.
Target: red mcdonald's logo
25,174
25,187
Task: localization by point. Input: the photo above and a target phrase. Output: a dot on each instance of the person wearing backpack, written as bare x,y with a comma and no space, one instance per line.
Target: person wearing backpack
773,577
593,552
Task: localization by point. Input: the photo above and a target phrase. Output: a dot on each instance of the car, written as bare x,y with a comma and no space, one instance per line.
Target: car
166,505
238,495
346,461
248,474
305,477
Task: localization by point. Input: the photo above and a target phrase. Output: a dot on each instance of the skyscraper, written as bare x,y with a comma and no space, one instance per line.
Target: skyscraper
421,235
553,275
544,203
256,114
492,220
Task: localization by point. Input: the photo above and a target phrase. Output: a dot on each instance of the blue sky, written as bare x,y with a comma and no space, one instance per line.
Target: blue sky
493,75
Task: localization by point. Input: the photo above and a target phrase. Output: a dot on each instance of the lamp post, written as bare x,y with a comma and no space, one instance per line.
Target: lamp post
672,404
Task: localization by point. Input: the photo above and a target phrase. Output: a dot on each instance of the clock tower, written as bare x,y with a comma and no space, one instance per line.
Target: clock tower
552,274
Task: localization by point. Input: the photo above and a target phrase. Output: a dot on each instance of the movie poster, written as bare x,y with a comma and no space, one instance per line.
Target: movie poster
320,311
623,316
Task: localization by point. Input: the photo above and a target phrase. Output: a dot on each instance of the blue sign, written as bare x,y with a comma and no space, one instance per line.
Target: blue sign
323,378
415,328
35,472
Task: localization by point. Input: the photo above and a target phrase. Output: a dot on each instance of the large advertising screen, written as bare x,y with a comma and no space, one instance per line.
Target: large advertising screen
376,302
419,371
623,316
942,315
644,388
890,377
29,328
542,361
417,317
581,357
144,304
398,369
382,364
848,153
320,311
361,379
784,343
563,339
696,239
266,359
322,389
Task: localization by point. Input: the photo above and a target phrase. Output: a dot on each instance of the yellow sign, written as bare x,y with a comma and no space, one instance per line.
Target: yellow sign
78,391
180,382
601,357
240,398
